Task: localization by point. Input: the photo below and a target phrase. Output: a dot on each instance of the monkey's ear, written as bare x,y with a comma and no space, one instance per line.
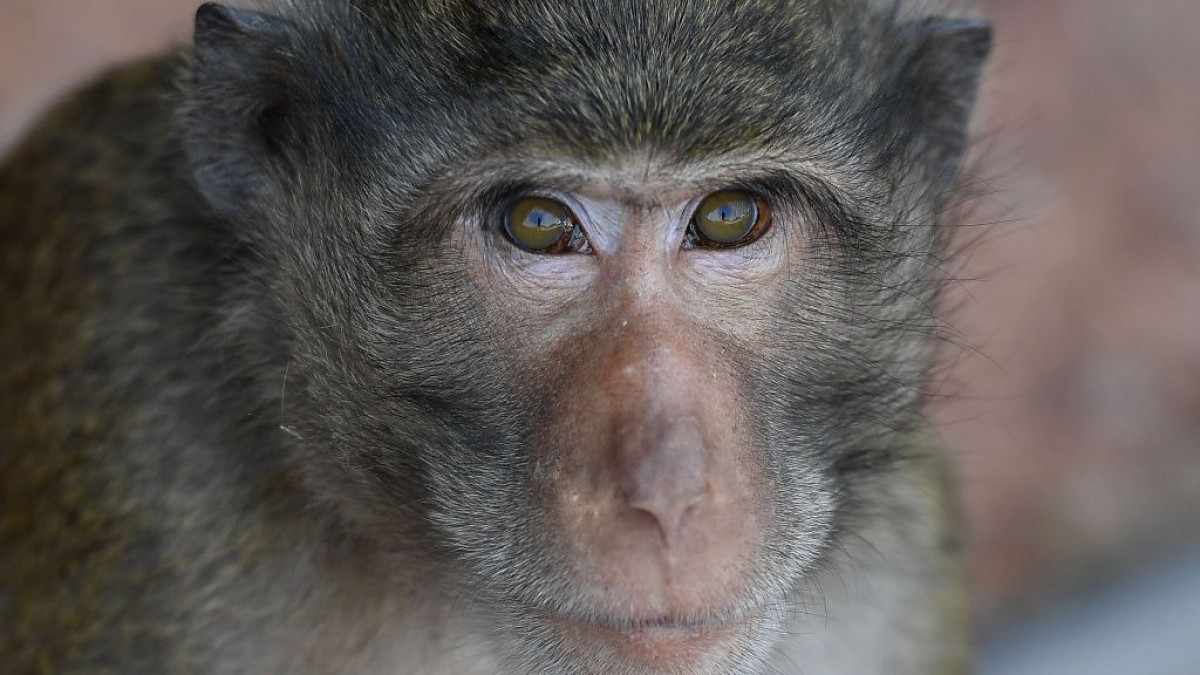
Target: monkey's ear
238,116
936,92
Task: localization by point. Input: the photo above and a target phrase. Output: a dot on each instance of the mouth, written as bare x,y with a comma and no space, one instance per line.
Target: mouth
657,642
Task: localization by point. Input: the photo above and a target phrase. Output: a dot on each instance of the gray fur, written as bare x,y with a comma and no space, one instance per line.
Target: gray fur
253,422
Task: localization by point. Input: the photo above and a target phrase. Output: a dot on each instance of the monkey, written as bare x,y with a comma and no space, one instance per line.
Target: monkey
432,337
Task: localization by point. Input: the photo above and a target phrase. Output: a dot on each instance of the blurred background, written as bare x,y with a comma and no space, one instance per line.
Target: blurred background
1072,387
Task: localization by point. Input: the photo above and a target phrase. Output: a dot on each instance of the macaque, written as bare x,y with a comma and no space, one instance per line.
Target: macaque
455,337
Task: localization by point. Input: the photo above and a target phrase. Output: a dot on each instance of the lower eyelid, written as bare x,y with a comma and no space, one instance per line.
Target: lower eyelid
766,246
546,272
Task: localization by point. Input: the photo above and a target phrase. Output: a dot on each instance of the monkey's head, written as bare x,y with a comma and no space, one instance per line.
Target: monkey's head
614,310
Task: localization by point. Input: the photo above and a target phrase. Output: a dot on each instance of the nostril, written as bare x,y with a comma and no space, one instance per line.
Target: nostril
669,505
663,469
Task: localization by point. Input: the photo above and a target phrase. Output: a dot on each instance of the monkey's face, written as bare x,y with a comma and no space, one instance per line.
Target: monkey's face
640,317
611,310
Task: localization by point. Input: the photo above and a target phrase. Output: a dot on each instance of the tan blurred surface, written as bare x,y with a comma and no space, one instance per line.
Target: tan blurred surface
46,45
1078,420
1079,428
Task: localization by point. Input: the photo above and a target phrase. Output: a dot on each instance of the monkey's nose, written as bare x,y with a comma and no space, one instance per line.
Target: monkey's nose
669,511
665,476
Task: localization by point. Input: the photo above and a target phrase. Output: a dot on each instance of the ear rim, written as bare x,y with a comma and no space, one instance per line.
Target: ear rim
970,39
942,74
227,85
217,20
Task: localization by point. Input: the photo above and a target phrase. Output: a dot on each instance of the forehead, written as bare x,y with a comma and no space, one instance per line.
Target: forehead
672,76
605,77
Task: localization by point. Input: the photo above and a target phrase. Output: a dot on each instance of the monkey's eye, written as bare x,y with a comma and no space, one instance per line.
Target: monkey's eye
728,219
541,225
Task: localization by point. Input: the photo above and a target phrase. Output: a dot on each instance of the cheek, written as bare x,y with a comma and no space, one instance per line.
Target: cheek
533,301
731,294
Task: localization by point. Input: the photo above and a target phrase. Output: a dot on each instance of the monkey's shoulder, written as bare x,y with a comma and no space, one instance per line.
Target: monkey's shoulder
99,172
115,119
97,223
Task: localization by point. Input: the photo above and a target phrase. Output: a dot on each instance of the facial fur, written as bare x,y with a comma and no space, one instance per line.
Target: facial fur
630,459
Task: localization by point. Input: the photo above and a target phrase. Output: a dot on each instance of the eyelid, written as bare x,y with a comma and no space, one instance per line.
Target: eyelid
507,198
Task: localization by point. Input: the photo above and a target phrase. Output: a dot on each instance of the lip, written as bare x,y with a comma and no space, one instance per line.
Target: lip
659,641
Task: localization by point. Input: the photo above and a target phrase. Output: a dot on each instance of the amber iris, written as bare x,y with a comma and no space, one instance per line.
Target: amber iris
729,218
541,225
